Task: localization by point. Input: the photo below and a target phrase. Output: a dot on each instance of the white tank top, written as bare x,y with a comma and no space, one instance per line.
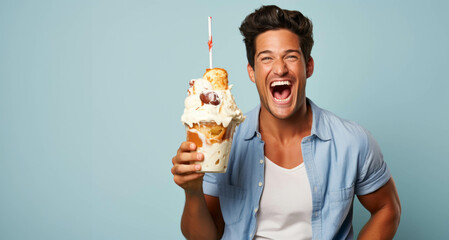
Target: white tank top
285,209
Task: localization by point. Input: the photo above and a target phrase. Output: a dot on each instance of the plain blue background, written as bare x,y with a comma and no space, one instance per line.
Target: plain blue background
91,94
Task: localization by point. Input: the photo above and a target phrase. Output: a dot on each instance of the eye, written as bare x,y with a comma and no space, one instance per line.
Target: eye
266,58
292,57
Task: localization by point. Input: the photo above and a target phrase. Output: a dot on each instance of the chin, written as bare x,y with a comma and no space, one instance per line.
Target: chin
281,113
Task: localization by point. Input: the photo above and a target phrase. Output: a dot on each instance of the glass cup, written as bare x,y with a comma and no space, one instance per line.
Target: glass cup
215,142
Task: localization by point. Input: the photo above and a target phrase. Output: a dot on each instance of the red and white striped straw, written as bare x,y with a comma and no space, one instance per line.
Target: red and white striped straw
210,42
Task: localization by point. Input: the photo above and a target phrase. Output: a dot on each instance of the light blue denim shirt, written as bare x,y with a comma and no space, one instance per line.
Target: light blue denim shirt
341,159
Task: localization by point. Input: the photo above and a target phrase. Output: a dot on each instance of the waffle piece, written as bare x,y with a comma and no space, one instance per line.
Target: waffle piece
218,77
213,132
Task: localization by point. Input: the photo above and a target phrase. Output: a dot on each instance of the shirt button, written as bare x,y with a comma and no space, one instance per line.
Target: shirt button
256,209
316,214
315,189
260,184
258,135
261,161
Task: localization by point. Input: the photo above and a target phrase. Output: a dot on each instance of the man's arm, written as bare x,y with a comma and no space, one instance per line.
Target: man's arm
385,209
202,217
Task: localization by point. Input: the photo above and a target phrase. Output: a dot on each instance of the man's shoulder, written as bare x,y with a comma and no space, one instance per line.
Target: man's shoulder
343,129
338,122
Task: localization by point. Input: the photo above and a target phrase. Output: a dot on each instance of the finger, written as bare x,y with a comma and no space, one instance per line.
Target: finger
187,147
186,158
181,169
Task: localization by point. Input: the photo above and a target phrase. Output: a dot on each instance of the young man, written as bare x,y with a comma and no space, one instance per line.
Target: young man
294,168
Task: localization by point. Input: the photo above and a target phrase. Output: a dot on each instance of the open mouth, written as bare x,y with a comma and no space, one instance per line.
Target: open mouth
281,90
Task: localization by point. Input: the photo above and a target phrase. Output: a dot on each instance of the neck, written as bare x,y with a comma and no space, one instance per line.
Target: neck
297,126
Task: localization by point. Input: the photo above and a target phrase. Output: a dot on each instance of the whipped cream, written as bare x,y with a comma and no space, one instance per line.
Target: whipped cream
196,111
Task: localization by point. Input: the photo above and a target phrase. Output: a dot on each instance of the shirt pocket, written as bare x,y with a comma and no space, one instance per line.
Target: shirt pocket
232,200
342,195
340,205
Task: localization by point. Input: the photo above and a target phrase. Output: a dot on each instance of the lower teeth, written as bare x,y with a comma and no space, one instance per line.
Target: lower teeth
281,100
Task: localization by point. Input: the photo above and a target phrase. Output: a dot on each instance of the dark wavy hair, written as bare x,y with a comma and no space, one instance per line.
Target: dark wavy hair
272,17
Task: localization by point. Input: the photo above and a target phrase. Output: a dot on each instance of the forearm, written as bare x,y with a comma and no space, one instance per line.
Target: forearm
382,225
197,222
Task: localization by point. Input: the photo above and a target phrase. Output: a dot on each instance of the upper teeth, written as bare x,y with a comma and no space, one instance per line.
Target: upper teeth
278,83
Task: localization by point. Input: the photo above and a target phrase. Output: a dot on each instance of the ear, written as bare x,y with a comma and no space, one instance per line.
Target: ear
309,67
251,73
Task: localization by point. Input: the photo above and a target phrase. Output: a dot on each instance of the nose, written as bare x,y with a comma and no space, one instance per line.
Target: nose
280,68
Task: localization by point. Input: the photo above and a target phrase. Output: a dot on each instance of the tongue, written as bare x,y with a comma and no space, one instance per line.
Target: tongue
282,94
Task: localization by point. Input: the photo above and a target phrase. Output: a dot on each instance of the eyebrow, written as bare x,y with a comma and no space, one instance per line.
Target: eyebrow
293,50
287,51
265,51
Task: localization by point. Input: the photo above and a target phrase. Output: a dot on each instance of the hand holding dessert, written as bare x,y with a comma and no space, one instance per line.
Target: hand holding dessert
185,167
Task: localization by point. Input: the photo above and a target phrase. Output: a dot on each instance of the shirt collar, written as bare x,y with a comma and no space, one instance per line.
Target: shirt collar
319,126
253,119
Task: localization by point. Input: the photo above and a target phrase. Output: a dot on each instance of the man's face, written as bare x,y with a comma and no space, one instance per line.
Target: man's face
280,73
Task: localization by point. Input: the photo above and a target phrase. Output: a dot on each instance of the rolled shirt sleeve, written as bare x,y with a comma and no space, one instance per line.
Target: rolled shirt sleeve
210,184
373,171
